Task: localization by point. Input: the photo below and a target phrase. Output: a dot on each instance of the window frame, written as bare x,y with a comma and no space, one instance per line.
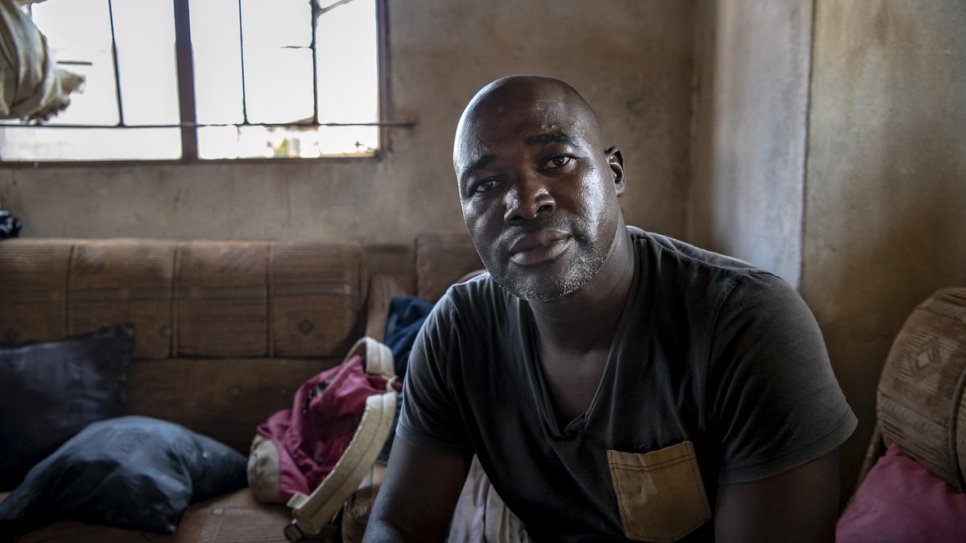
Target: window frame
188,113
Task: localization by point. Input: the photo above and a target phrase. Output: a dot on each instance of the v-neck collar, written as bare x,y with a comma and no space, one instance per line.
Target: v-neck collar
531,359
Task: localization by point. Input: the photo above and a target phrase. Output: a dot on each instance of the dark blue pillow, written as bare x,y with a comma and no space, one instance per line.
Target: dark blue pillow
131,472
51,390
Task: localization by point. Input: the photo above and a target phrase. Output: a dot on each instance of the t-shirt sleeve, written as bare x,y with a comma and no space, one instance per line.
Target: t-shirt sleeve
429,418
776,403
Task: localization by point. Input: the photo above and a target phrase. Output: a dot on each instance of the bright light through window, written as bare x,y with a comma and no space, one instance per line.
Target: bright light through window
255,91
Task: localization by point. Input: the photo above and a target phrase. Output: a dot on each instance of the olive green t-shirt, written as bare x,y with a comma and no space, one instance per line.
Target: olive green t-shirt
718,374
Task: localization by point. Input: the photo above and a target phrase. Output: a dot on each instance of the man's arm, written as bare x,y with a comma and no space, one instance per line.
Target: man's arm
799,505
418,495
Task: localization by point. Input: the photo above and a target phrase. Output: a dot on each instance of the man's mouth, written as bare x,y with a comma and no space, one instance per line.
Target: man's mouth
539,247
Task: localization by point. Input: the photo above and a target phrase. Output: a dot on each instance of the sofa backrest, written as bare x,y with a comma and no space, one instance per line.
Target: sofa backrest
210,299
225,330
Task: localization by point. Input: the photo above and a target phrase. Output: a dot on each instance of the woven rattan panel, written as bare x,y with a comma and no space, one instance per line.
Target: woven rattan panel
920,396
441,259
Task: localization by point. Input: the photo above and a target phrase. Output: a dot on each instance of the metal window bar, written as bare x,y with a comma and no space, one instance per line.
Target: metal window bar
117,71
314,12
241,50
186,83
185,71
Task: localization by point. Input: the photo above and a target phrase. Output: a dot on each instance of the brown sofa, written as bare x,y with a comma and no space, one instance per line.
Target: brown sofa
225,333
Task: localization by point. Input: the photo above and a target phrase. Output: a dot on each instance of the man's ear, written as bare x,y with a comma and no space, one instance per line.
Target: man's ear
616,163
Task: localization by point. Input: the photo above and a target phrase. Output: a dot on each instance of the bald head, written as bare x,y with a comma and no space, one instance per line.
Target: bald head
553,101
538,189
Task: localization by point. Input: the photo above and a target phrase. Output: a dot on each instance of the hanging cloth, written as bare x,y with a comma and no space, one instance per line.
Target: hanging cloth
32,87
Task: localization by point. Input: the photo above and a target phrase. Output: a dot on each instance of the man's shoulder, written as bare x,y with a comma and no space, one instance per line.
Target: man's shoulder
674,266
471,317
479,287
666,248
477,298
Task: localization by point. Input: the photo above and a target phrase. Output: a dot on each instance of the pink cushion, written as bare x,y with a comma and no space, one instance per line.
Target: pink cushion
900,501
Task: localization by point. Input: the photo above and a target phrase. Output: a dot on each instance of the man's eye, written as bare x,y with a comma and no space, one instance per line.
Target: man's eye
483,186
558,162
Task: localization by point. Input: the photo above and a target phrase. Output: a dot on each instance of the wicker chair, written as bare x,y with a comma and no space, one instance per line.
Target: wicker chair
920,401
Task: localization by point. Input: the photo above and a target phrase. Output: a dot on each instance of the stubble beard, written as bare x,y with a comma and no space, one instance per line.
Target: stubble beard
581,270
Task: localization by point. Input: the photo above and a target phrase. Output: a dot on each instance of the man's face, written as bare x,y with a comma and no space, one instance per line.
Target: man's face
538,191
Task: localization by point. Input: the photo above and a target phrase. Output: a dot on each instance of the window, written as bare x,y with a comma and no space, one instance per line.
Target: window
209,79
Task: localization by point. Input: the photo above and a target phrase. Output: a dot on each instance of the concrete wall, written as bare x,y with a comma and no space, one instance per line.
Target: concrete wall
885,208
830,147
631,58
749,131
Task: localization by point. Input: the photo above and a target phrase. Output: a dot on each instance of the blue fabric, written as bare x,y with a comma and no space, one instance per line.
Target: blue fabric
131,472
404,318
51,390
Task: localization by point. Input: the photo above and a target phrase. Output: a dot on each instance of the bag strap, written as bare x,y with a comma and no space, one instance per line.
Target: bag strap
377,356
311,513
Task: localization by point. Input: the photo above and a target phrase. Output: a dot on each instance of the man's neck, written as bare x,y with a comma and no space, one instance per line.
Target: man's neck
586,320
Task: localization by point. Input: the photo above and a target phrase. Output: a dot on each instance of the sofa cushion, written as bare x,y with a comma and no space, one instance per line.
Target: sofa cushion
317,293
49,391
188,299
129,472
221,299
124,280
33,292
900,501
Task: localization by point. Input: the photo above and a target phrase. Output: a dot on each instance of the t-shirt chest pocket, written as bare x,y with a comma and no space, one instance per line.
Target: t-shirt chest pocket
660,493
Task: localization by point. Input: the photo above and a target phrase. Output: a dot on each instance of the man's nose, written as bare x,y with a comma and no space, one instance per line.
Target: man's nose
528,199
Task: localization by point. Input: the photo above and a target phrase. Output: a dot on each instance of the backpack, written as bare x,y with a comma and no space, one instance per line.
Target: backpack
314,455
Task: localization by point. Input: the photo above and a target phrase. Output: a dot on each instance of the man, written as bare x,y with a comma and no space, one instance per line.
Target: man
615,384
